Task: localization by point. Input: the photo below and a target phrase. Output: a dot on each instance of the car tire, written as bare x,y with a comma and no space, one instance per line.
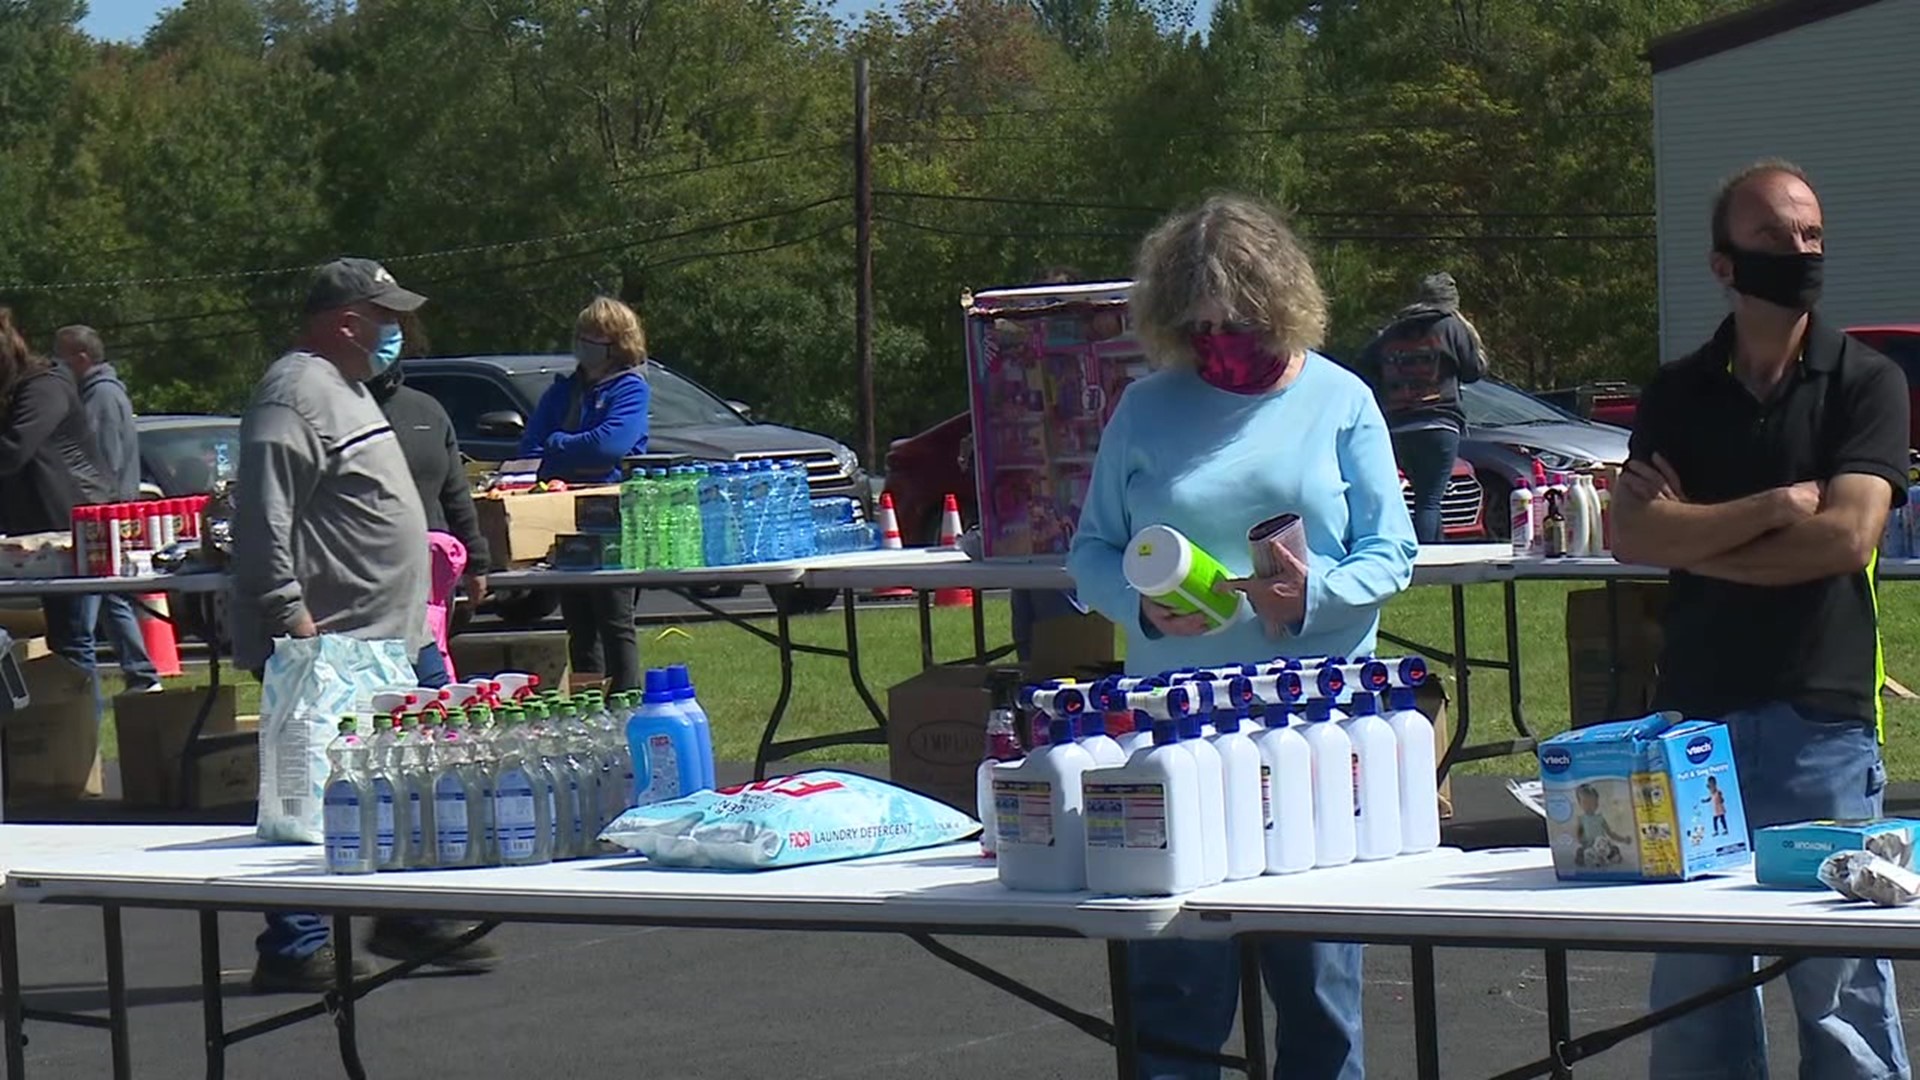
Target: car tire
522,608
794,600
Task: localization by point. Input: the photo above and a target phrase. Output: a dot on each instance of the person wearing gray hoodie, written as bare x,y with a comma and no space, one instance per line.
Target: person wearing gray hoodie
110,414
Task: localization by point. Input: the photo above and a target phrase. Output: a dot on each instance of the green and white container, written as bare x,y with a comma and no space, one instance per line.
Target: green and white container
1164,565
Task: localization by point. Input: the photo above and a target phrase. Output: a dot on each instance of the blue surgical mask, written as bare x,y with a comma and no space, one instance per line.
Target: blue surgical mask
386,350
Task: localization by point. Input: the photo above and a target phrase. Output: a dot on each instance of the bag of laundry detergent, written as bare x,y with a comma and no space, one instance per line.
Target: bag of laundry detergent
810,817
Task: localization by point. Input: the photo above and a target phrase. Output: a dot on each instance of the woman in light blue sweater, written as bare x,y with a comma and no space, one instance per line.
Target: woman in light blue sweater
1244,421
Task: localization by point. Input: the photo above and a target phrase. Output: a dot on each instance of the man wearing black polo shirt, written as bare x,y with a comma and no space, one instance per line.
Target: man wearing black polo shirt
1761,473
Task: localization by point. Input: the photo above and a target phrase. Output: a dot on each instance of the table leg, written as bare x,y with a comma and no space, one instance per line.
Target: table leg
1559,1010
211,1016
924,603
853,659
345,993
1253,1011
1126,1039
1426,1015
1510,600
1613,649
1462,668
116,992
189,760
979,627
14,1025
772,733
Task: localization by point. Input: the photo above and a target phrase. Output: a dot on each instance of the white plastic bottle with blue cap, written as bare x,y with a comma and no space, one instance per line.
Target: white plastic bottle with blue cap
682,683
1286,791
1143,821
1376,776
666,751
1103,748
1041,837
1419,774
1333,802
1240,789
1213,800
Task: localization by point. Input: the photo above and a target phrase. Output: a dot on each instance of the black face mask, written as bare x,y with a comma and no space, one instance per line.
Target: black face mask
1792,281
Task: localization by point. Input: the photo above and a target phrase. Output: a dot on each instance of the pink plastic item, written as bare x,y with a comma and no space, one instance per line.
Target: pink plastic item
448,558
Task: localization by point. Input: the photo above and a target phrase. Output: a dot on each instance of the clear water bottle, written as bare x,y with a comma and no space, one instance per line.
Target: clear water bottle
800,510
688,531
659,548
738,539
712,489
632,519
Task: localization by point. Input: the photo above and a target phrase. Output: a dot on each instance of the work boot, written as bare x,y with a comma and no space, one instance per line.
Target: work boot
310,974
421,939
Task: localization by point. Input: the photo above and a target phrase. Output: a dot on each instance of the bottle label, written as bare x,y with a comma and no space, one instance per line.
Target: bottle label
579,808
513,815
1126,816
383,820
450,819
1023,811
1356,783
663,770
346,845
1266,796
415,822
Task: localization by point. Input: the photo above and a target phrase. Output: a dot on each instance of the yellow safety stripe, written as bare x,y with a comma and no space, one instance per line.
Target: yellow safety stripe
1879,654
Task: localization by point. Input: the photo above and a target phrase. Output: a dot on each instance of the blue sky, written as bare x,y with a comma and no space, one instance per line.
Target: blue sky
128,20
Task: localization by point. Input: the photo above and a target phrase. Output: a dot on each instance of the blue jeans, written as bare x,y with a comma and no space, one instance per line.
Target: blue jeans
1186,993
114,618
1426,456
1794,765
298,934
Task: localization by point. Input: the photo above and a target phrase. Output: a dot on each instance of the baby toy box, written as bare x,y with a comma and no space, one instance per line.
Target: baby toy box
1654,799
1789,856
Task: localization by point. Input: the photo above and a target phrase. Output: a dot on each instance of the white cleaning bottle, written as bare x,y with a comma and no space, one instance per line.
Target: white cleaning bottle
1575,504
1240,784
1106,752
1002,746
1042,838
1143,821
1419,781
1376,772
1597,522
1286,791
1213,800
1333,803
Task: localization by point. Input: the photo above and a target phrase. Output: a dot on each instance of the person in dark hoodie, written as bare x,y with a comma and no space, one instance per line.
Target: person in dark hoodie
433,457
48,465
110,415
1415,367
582,427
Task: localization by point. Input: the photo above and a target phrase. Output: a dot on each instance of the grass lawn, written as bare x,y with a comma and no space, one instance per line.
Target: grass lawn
739,677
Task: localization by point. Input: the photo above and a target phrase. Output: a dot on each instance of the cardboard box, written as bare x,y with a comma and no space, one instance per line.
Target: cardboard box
541,652
1072,647
1603,684
1789,856
520,527
1654,799
52,747
1432,699
936,732
153,731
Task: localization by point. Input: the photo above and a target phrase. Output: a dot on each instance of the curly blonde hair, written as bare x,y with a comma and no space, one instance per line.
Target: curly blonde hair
607,319
1237,251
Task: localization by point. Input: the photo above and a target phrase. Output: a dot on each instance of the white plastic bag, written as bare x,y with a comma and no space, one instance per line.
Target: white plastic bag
309,684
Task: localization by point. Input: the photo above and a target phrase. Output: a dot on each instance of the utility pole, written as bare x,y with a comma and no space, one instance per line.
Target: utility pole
863,261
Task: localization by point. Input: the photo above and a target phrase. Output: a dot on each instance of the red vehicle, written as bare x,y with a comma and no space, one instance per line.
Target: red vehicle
1901,344
922,469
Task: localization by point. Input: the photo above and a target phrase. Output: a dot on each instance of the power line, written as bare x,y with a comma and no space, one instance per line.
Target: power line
1381,238
1281,131
1460,215
690,170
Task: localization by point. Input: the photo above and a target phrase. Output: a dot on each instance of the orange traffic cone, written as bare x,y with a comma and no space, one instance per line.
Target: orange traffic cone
950,538
156,630
890,540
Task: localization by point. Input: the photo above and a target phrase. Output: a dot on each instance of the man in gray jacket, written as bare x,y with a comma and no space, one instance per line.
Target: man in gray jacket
110,415
329,537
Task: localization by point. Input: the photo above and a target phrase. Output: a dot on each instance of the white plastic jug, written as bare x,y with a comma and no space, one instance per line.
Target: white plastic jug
1143,821
1041,838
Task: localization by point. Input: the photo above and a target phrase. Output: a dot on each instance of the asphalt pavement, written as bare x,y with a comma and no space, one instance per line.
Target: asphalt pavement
708,1005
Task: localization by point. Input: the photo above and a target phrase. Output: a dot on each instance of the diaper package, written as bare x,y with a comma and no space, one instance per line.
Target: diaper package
810,817
1789,856
1654,799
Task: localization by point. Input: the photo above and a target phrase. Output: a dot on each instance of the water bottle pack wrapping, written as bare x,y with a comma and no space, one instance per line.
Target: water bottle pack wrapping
811,817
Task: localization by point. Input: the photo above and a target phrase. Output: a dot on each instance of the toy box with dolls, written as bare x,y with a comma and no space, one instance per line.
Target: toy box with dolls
1654,799
1046,366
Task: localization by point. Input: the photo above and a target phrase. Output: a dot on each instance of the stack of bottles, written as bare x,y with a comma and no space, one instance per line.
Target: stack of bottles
496,772
1155,786
838,530
1561,515
1902,537
726,514
120,539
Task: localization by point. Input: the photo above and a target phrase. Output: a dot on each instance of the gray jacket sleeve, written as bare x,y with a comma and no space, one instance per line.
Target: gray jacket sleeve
280,461
110,414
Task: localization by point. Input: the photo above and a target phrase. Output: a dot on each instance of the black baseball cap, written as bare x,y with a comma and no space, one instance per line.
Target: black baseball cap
345,282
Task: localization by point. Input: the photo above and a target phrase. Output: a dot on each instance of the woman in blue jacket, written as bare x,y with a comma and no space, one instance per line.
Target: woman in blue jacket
583,426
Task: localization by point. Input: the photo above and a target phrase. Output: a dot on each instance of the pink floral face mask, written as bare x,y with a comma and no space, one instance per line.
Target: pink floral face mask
1236,361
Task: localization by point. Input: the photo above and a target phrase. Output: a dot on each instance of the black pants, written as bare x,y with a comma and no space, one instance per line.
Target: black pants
600,635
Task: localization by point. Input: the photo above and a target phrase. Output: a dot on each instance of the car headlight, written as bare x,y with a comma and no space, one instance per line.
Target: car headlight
1553,460
848,461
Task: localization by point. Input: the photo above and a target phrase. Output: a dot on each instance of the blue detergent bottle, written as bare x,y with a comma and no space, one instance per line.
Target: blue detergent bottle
681,683
665,745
